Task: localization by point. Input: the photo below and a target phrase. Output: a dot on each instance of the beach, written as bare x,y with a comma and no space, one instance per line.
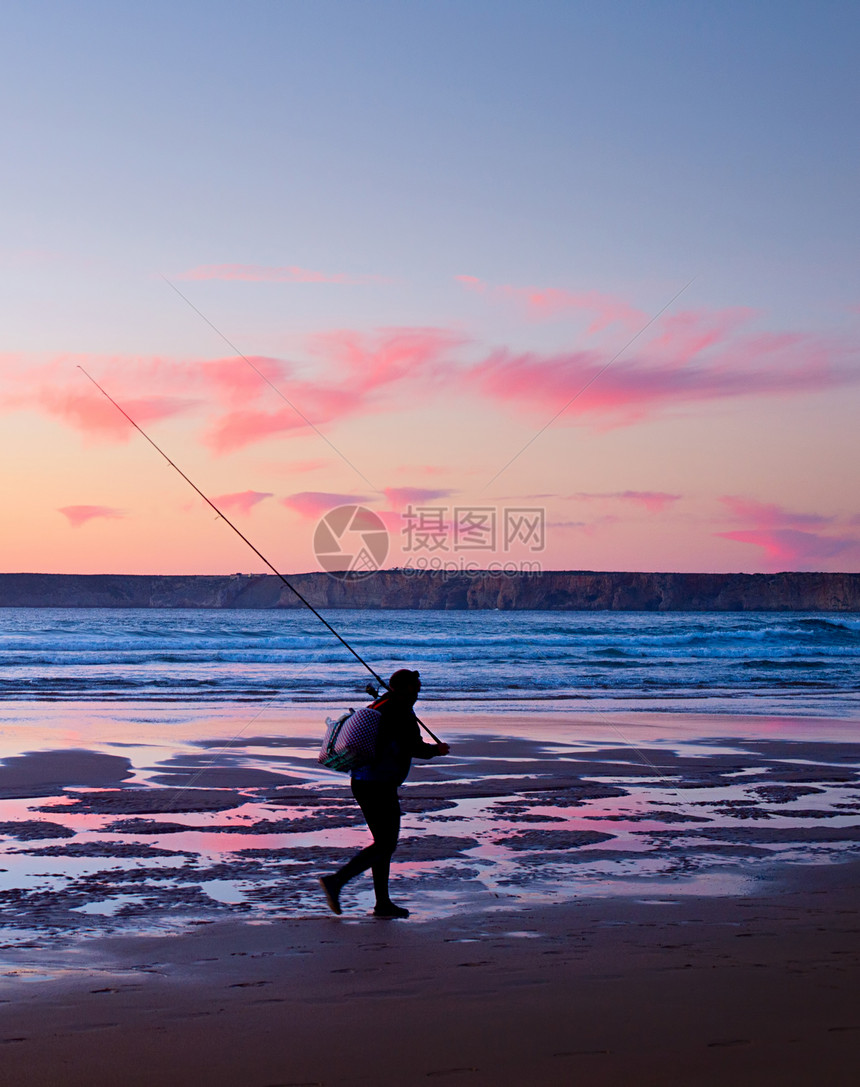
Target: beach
596,897
747,990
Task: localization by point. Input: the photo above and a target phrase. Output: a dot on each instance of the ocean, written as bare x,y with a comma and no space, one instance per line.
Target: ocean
789,664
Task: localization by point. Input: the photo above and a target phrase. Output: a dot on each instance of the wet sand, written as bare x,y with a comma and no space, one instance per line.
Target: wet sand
743,990
660,899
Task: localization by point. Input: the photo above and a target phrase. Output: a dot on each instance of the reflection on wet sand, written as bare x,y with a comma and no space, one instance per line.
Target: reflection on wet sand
184,826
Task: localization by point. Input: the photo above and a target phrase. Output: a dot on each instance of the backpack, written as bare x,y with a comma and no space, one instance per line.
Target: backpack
350,740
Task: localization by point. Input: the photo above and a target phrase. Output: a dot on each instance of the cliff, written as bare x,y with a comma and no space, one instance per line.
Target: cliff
399,589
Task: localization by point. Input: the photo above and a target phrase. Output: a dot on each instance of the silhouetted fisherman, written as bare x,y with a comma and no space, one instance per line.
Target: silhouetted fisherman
375,788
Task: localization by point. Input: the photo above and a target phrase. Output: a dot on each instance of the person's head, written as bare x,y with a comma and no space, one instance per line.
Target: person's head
404,683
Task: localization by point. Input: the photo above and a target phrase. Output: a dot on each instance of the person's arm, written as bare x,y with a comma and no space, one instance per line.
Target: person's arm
421,750
430,751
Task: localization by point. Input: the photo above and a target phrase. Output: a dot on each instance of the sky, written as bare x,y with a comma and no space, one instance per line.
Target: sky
542,285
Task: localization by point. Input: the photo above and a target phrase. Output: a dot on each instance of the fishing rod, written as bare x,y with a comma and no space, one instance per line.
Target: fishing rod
243,537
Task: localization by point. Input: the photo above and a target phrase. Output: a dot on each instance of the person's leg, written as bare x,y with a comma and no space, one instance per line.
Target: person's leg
332,885
380,806
356,865
382,813
383,818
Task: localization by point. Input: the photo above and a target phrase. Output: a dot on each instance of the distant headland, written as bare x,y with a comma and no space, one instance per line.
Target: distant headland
562,590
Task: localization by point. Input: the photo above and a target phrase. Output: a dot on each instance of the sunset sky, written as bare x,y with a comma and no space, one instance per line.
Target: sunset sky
594,259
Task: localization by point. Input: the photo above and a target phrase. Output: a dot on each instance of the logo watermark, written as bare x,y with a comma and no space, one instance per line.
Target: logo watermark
469,567
473,528
352,541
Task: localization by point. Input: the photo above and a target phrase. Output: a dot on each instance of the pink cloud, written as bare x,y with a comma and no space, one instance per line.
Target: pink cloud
690,358
79,515
233,380
793,546
681,337
148,389
541,303
243,501
354,367
388,356
769,515
316,503
775,530
361,365
93,414
653,501
236,429
289,273
404,496
698,359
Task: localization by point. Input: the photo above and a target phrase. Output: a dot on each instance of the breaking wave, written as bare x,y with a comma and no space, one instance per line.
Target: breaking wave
732,662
